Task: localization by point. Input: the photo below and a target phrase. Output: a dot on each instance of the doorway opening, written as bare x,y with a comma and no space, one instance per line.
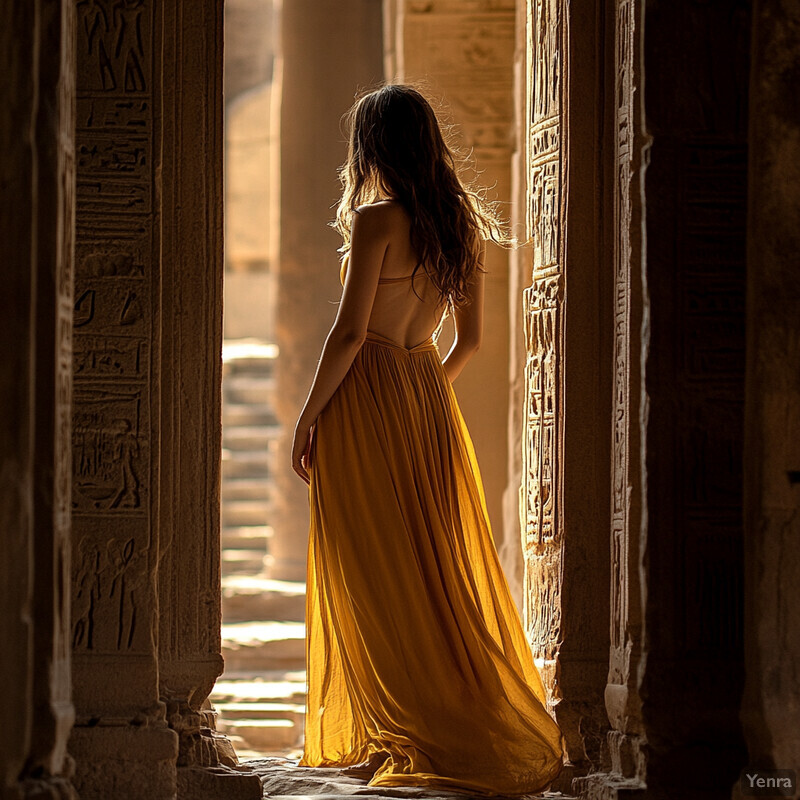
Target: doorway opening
260,696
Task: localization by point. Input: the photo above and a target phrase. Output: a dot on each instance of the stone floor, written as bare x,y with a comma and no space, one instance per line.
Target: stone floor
282,778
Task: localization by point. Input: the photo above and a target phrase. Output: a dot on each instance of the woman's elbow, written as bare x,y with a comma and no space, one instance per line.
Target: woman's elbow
470,343
349,336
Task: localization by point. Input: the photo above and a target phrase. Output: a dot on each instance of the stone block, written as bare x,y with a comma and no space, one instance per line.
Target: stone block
125,762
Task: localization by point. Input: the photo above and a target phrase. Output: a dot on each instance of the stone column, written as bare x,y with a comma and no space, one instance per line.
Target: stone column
329,51
695,193
250,218
462,54
189,659
679,146
121,741
567,404
36,217
148,333
771,704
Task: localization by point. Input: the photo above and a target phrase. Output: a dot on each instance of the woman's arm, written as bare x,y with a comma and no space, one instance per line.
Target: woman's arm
369,240
469,327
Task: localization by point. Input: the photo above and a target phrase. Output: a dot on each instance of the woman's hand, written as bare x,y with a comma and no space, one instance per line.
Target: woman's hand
301,449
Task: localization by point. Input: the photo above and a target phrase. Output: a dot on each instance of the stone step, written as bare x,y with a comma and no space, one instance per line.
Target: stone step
249,367
257,389
242,351
243,704
249,488
243,562
248,607
291,711
263,735
245,463
239,513
263,645
255,598
246,537
249,414
270,686
258,437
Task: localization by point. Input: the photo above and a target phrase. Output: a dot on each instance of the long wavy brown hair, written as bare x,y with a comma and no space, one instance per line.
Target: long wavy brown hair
397,150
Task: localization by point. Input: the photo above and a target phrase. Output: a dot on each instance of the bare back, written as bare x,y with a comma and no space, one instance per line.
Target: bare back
405,311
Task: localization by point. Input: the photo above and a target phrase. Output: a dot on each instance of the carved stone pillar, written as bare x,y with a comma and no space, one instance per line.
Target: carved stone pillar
771,701
36,217
541,498
622,699
566,317
329,51
463,53
190,381
147,370
121,742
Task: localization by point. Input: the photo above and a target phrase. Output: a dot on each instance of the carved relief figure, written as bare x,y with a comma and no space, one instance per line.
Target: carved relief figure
108,457
104,594
128,48
126,449
115,42
94,23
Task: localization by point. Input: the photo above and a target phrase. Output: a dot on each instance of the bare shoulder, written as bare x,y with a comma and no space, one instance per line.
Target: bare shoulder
388,216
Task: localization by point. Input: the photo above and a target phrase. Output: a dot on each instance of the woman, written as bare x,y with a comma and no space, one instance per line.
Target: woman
418,667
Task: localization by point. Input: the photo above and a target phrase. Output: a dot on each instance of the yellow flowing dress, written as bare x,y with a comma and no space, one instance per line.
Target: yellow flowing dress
414,644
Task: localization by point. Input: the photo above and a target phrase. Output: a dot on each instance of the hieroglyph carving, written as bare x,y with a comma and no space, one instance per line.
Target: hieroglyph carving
541,535
542,314
116,266
620,531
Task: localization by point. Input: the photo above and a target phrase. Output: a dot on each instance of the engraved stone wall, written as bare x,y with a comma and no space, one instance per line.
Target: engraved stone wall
147,326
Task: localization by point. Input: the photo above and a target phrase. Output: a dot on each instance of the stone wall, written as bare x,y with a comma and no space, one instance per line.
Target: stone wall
630,148
771,704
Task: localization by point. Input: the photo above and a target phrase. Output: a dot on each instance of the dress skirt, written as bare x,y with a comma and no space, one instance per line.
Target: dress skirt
415,648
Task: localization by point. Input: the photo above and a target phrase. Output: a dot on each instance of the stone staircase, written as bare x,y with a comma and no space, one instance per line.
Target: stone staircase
261,695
